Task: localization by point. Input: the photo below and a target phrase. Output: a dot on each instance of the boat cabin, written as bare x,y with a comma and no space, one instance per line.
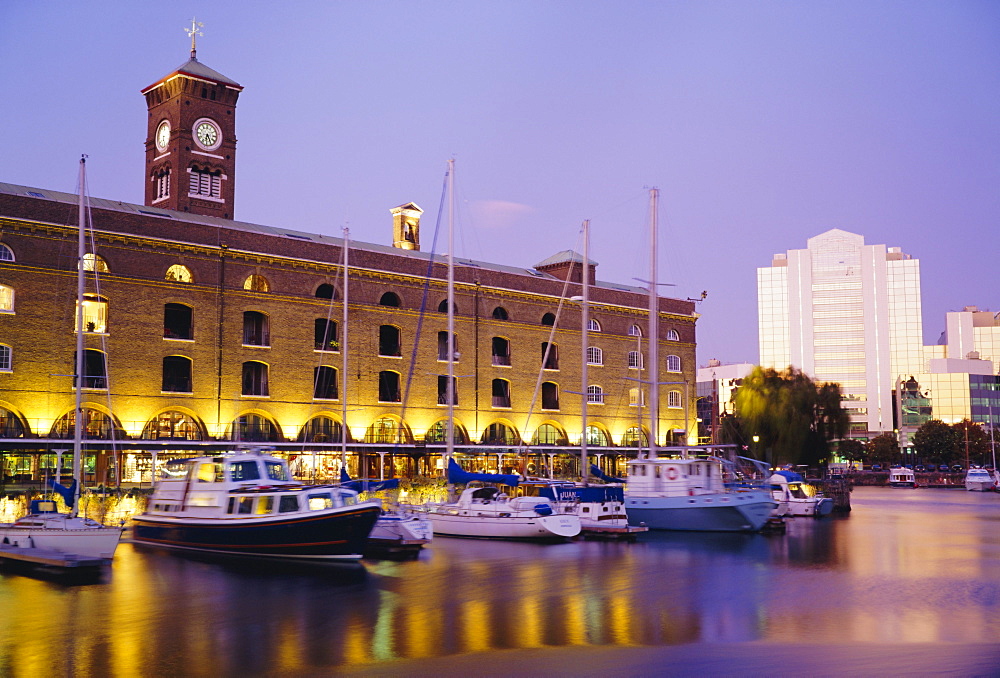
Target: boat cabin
671,477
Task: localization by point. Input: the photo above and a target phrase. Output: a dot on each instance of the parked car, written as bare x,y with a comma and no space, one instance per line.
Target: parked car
876,467
920,468
943,468
957,468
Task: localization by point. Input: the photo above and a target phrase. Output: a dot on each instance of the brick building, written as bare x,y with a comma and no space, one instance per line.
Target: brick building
206,332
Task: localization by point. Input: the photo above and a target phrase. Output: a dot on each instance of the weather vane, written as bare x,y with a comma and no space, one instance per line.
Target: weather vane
194,31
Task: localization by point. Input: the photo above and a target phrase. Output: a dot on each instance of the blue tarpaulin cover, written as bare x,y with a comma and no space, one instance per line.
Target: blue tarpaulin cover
457,476
598,473
791,476
65,492
367,485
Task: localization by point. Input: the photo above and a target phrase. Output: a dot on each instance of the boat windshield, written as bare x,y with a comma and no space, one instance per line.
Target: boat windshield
244,470
276,470
795,490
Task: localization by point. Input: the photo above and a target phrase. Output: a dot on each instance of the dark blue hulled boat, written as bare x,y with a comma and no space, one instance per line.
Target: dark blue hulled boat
247,504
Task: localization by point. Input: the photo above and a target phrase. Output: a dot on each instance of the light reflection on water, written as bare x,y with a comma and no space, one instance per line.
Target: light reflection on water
906,566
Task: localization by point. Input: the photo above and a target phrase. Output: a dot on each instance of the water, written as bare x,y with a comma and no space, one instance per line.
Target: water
908,583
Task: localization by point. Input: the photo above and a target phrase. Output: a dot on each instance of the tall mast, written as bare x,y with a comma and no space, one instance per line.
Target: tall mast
584,340
450,389
78,408
654,331
343,359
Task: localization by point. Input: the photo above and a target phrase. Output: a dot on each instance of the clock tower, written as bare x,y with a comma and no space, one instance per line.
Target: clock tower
191,139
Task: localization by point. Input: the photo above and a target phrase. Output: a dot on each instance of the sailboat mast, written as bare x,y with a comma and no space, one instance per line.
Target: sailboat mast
343,358
654,330
450,389
584,340
78,384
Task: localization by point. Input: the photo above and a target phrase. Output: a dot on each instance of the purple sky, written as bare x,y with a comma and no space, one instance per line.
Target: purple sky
762,123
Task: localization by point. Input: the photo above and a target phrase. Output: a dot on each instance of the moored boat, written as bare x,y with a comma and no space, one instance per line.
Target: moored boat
796,497
46,528
900,476
979,480
247,504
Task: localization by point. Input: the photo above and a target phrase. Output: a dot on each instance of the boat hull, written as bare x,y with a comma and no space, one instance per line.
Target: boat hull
541,528
729,512
979,485
339,534
91,542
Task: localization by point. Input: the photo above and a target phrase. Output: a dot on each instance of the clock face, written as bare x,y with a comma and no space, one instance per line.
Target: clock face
163,135
207,134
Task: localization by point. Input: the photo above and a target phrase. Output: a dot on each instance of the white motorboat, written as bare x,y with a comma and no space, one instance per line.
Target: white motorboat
900,476
398,531
247,504
689,493
979,480
486,513
600,508
44,527
796,497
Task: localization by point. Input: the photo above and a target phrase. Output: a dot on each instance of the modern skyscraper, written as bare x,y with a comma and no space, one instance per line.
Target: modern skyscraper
844,312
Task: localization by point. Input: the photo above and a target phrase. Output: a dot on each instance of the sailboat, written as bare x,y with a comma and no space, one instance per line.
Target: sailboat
483,510
45,527
687,491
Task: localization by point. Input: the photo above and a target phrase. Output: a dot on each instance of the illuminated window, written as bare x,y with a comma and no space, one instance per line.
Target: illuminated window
438,433
595,395
6,253
635,331
325,383
593,326
635,360
5,358
321,429
6,299
500,434
256,283
673,363
550,396
672,335
95,314
176,374
597,436
595,356
95,425
173,424
253,428
95,262
636,397
674,399
634,437
386,430
179,273
547,434
255,378
11,425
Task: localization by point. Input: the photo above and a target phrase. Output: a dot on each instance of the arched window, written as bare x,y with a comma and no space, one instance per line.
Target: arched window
179,273
6,299
389,299
595,356
635,360
674,399
388,387
438,433
672,335
6,253
177,322
635,437
95,262
96,425
500,313
173,424
443,346
500,434
388,341
595,395
95,314
547,434
550,356
253,428
550,396
673,363
321,429
597,436
162,181
325,383
549,319
386,430
635,331
593,326
95,373
501,393
176,374
255,378
443,307
326,291
256,283
6,358
501,352
325,336
256,329
11,425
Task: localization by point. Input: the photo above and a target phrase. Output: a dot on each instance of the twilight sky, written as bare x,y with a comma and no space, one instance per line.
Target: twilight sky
762,123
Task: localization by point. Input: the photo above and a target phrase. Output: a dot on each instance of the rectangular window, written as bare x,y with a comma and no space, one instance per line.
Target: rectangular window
5,359
443,390
288,504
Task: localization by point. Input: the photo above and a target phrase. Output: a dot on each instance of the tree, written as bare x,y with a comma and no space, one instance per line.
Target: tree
936,442
795,417
882,449
851,449
973,444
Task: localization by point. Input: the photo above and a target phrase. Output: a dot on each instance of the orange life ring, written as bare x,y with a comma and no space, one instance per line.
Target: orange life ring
672,473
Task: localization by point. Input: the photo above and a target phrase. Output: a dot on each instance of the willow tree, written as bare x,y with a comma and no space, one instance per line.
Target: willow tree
793,417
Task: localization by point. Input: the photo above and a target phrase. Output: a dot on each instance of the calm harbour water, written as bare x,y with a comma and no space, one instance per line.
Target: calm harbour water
906,584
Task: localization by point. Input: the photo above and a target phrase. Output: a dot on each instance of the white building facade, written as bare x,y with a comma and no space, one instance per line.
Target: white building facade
844,312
